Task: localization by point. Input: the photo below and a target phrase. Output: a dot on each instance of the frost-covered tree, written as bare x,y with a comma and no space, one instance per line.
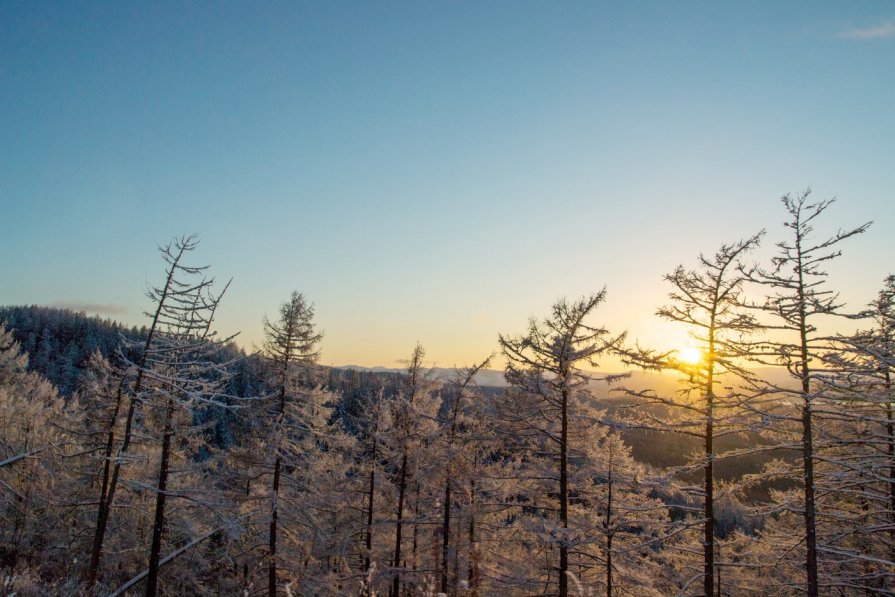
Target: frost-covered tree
797,302
855,473
875,351
547,412
163,389
707,301
184,373
34,483
413,426
291,346
293,469
451,445
168,301
627,524
371,420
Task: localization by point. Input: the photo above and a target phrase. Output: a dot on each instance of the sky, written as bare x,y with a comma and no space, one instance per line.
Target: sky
433,172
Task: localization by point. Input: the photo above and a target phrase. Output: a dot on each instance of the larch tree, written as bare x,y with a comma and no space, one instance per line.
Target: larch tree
876,351
626,523
34,444
165,299
369,424
458,393
291,346
166,384
856,472
707,301
184,372
797,302
413,425
549,389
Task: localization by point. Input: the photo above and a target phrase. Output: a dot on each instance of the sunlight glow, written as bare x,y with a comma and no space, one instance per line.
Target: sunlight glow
689,355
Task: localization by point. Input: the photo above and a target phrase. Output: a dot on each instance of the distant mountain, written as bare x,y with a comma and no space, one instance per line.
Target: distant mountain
487,377
663,383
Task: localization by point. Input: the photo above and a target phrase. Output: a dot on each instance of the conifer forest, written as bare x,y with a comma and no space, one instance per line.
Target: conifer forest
167,460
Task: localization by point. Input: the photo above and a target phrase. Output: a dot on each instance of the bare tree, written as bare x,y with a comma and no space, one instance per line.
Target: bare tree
164,299
407,433
458,394
545,366
708,302
291,347
797,299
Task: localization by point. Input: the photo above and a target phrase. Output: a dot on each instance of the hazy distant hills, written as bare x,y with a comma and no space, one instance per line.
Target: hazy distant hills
663,383
486,377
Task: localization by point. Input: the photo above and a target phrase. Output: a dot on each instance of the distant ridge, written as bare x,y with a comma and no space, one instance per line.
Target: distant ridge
486,377
637,379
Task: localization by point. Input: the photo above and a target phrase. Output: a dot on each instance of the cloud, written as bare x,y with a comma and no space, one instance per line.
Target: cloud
110,309
881,31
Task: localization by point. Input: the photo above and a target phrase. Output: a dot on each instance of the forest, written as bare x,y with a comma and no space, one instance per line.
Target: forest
167,460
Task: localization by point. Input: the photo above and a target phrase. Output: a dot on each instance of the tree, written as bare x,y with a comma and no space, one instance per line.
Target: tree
708,302
625,521
168,300
412,426
458,393
34,440
857,471
875,349
369,425
183,371
544,368
291,346
797,299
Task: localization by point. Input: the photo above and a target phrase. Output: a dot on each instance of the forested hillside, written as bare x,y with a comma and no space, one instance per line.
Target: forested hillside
59,342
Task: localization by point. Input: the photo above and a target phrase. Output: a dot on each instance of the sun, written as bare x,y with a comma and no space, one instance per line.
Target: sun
689,355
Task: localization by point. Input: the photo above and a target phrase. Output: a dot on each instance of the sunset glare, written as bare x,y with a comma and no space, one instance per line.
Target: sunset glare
689,355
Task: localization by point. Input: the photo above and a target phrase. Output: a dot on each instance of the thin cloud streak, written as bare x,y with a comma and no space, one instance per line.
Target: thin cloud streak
881,31
107,309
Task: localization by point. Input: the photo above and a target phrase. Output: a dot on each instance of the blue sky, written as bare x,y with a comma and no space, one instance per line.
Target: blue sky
432,171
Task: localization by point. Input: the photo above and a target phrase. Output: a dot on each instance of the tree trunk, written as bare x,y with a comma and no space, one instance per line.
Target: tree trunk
564,494
272,533
158,525
446,535
609,532
456,556
890,436
808,460
274,494
473,554
810,515
709,502
102,514
416,517
396,563
370,503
